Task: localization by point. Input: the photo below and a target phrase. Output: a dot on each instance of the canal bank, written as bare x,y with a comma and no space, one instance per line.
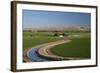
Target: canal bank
42,53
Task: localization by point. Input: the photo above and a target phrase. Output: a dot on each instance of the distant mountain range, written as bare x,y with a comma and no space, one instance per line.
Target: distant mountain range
67,28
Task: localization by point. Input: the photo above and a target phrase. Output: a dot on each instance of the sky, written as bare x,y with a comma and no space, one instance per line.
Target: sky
34,18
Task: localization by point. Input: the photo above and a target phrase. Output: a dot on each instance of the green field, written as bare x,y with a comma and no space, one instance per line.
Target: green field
31,40
78,47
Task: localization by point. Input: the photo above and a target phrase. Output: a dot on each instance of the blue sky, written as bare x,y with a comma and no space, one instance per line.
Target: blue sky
32,18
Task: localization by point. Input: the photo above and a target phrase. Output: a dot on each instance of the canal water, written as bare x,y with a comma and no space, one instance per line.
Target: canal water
34,56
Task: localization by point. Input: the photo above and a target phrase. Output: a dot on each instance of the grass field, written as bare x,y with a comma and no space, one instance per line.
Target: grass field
37,39
78,47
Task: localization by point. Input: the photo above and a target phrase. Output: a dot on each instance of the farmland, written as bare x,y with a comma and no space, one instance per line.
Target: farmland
31,39
78,48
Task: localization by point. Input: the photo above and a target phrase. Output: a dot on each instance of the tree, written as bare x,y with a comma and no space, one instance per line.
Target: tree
56,34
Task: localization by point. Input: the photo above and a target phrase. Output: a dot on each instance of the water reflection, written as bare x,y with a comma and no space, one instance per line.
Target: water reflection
34,56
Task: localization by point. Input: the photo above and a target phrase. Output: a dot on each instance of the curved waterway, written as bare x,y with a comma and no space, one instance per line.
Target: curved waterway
34,56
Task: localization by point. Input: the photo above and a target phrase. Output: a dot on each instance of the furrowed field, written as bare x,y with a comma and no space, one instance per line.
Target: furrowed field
80,45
